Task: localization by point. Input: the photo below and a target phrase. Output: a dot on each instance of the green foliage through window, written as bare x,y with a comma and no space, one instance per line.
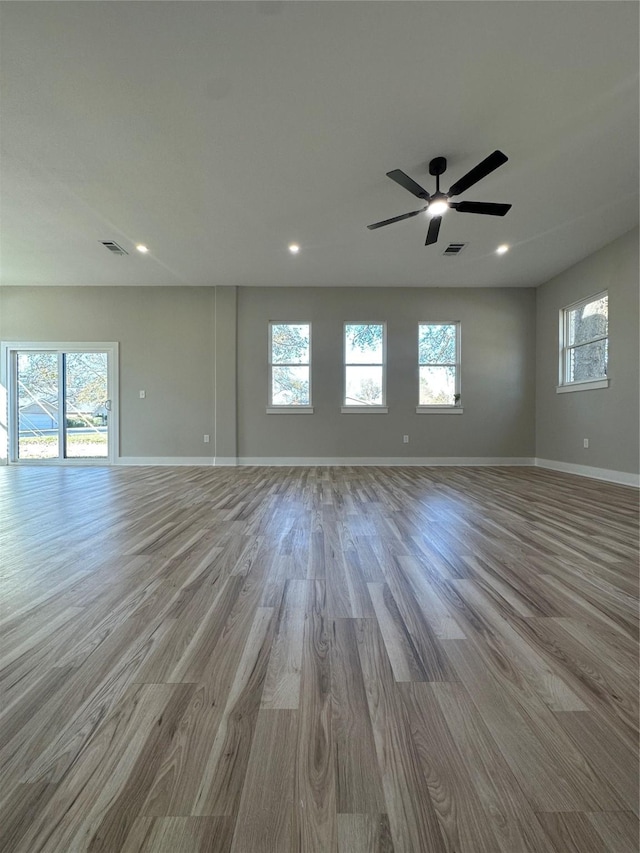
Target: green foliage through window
437,358
290,364
364,364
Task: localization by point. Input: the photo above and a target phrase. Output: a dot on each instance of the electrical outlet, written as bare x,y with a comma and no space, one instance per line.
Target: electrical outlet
143,394
405,439
206,439
585,442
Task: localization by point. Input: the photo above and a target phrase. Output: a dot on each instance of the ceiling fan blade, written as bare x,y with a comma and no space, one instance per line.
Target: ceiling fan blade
395,219
478,172
434,229
481,207
408,183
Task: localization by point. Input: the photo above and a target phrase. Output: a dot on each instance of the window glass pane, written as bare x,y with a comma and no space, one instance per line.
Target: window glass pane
290,386
363,343
290,343
38,427
363,386
437,386
85,398
588,362
436,344
589,321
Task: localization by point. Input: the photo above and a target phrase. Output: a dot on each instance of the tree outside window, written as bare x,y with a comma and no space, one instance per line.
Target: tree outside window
364,364
438,345
290,364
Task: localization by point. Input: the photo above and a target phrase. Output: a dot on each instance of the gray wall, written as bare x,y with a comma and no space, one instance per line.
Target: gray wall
498,357
201,356
608,417
166,337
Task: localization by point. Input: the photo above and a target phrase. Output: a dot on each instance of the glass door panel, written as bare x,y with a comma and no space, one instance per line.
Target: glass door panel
60,401
85,405
38,390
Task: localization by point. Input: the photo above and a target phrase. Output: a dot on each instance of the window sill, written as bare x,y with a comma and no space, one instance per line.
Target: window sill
582,386
289,410
365,410
439,410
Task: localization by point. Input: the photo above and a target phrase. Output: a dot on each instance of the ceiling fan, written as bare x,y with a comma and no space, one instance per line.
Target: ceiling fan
439,203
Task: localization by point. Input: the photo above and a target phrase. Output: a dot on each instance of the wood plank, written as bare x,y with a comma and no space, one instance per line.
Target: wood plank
265,815
20,808
572,832
358,785
223,776
413,821
620,831
180,835
507,809
399,569
282,684
364,833
546,682
84,800
403,656
314,826
613,760
553,774
463,821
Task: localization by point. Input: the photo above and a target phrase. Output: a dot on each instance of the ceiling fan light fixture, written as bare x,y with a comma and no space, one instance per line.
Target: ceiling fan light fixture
438,207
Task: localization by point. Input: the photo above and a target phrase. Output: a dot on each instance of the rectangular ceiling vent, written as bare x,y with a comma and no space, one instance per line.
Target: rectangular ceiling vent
113,247
453,249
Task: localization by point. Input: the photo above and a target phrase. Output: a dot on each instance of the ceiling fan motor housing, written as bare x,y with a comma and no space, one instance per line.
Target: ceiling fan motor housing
437,166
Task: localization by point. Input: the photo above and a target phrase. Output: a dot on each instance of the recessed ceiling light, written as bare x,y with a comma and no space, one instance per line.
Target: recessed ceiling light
502,249
294,248
142,249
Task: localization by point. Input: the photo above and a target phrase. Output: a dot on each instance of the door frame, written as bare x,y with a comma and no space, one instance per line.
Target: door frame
8,350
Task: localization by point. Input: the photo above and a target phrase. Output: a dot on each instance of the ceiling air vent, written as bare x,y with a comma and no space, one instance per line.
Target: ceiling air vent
453,249
113,247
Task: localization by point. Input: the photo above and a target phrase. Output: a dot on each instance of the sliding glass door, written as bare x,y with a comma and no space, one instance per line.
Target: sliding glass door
62,402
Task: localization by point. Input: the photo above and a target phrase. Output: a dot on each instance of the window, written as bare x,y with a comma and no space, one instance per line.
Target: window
364,367
584,343
439,367
290,366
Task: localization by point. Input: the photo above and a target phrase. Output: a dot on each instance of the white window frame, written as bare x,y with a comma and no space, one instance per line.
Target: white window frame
378,408
289,409
8,356
564,352
438,409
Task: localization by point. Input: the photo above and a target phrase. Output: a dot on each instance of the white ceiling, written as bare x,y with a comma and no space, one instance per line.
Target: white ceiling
218,133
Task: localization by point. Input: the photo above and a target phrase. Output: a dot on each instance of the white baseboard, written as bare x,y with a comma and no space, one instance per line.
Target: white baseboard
383,461
623,478
336,461
165,460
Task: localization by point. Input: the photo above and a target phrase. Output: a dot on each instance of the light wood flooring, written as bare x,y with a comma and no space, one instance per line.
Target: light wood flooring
340,660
